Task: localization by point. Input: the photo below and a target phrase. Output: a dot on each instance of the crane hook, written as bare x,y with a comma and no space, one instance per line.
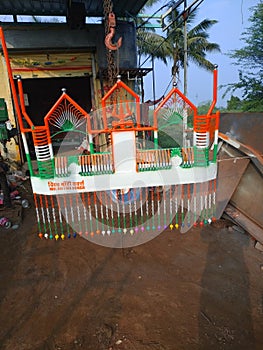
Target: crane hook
108,38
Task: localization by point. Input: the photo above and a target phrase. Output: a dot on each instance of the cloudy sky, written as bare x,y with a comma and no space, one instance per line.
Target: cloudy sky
232,17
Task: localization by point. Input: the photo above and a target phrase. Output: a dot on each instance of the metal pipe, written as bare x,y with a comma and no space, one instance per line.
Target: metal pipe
214,91
11,79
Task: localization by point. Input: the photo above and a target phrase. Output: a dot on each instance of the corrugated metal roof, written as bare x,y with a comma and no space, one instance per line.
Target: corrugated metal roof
92,8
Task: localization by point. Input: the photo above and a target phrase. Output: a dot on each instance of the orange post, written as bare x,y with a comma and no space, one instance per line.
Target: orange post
214,92
11,80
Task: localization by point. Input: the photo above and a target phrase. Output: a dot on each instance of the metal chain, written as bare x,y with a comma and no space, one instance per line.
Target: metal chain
107,8
111,64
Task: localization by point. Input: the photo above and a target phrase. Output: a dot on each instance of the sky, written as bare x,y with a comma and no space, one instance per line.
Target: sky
232,17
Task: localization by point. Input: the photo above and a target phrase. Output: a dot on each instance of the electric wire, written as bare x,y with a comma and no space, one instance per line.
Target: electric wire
168,35
149,18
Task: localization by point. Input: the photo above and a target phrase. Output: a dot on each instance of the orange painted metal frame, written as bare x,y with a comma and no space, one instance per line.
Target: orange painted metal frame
215,78
12,83
63,97
122,125
174,91
201,123
23,109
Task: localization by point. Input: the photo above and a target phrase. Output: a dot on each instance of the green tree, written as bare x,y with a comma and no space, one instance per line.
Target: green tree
234,104
171,46
250,60
204,107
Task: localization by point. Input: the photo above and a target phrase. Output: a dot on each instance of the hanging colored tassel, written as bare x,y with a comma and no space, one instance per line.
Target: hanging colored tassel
102,215
123,212
112,215
118,216
90,215
96,212
152,208
43,216
182,205
135,211
176,207
72,215
54,218
171,208
141,208
195,205
108,231
85,214
48,217
158,210
66,216
147,211
62,235
78,215
201,205
130,213
164,209
188,205
214,201
40,233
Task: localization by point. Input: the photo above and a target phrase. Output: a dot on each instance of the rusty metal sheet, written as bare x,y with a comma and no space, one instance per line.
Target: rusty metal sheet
230,171
248,150
245,127
240,175
241,219
248,195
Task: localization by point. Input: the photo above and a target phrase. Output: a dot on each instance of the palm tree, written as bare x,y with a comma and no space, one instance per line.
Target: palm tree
171,46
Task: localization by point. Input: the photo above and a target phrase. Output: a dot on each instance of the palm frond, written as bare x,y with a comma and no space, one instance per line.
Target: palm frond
201,44
172,46
201,61
203,26
153,44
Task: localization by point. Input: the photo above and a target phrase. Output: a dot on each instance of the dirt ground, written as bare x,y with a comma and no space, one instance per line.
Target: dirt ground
199,290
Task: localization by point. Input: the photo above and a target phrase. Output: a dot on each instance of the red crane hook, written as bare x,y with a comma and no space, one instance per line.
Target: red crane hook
108,38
